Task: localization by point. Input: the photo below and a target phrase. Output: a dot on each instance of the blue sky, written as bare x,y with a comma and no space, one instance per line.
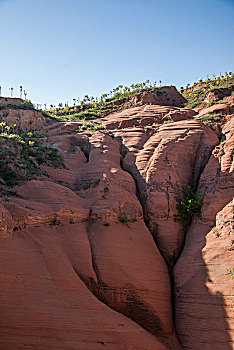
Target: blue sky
60,50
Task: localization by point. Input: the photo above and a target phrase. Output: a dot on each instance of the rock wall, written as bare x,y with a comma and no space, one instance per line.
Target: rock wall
91,257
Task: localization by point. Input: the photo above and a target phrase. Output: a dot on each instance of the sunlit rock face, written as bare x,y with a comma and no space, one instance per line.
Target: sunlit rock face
91,256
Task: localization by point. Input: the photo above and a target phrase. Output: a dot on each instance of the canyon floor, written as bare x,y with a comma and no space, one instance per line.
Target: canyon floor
91,256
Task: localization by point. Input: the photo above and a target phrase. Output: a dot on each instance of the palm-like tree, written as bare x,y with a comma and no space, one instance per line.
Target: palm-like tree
11,89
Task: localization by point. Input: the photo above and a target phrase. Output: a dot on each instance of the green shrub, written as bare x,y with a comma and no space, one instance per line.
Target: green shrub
91,184
189,204
106,224
25,106
231,272
194,104
124,219
211,103
90,126
20,158
212,116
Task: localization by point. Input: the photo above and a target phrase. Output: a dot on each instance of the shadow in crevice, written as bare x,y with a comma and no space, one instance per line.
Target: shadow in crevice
205,309
200,315
82,143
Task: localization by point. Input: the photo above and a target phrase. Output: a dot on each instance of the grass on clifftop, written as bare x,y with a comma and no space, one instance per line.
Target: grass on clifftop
26,105
92,108
196,93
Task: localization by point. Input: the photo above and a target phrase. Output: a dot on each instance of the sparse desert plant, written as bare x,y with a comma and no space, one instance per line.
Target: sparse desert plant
106,224
21,157
231,273
169,121
91,184
124,219
189,204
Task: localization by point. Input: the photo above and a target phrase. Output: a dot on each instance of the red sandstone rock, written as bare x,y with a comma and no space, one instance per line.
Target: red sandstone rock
219,108
26,120
202,288
73,276
44,202
45,303
71,251
6,222
172,158
142,294
145,115
166,96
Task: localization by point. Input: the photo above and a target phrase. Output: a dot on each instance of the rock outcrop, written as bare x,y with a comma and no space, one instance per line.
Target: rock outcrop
203,292
172,158
91,256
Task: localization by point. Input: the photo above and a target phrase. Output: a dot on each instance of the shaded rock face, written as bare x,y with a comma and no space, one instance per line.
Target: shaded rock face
166,96
203,291
218,94
91,257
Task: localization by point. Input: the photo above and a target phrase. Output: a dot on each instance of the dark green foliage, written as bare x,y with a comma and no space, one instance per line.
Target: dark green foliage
33,135
55,222
20,161
91,184
124,219
211,103
25,106
189,204
106,224
8,193
9,176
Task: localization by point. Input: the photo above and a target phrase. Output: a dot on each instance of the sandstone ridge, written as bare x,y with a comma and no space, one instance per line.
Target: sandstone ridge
91,256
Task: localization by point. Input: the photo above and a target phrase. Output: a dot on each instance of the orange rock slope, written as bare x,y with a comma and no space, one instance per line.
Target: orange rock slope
91,257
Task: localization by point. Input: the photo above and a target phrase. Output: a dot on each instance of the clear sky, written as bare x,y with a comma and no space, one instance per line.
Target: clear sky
59,50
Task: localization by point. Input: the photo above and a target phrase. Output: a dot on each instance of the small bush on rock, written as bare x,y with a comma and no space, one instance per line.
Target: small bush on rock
124,219
189,204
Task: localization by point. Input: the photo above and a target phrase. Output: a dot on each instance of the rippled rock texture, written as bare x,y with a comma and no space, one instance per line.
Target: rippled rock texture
91,257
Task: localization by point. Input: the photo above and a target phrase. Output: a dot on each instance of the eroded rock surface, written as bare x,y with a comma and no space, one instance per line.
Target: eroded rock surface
6,222
203,292
171,158
86,254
